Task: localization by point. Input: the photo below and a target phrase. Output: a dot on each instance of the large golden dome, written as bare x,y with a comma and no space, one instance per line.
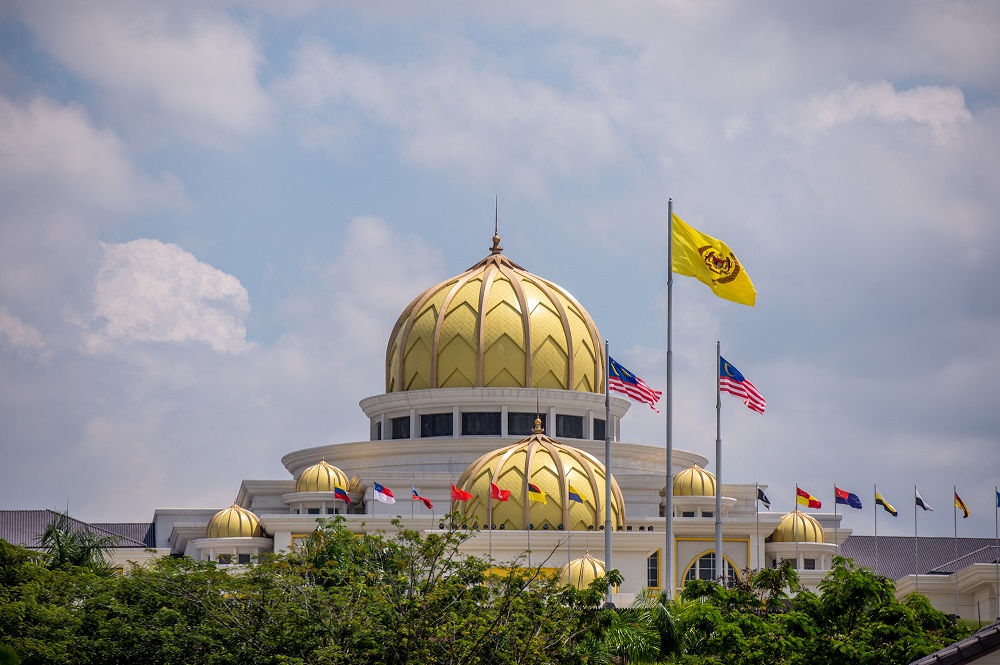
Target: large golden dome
581,572
234,522
553,468
796,526
695,481
495,325
322,477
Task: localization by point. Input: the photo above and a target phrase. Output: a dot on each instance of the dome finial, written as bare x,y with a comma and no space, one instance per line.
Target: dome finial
538,420
496,248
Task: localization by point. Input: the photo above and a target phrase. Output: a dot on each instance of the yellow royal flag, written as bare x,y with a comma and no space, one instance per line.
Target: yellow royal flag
710,261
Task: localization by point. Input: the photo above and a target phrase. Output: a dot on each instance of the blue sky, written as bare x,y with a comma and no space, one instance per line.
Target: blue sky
214,212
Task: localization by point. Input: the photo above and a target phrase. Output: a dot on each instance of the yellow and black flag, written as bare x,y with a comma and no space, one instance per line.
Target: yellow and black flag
710,261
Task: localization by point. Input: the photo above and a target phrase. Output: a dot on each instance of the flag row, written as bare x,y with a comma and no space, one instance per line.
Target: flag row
841,496
385,495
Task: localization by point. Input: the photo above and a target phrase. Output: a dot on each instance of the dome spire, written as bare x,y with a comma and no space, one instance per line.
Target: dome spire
496,248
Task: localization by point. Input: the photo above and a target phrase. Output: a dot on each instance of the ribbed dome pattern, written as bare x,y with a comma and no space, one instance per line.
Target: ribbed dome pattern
797,526
495,325
695,481
322,477
581,572
234,522
551,466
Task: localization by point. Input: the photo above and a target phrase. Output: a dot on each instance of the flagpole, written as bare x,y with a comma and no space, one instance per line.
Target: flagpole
607,470
916,551
836,540
569,513
719,568
756,503
668,510
875,512
373,505
489,519
795,526
996,538
954,514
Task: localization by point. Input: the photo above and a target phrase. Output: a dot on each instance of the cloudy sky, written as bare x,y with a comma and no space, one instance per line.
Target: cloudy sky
213,212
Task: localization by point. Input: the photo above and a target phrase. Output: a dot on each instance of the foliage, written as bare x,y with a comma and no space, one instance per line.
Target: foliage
410,597
68,543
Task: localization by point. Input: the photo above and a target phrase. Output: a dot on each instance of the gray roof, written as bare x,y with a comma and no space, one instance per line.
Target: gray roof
936,555
983,641
25,528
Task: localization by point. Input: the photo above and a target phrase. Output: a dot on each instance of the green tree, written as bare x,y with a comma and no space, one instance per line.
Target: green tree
67,542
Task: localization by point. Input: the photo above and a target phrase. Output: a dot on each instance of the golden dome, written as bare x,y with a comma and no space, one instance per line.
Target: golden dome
234,522
694,482
553,468
797,526
322,477
581,572
495,325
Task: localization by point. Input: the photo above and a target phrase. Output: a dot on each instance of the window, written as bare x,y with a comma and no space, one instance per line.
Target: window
330,511
481,424
599,430
521,424
687,513
569,427
704,569
708,513
400,427
244,559
312,511
225,559
809,564
653,570
378,431
436,424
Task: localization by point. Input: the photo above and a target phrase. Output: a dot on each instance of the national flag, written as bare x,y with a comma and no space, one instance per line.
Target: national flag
733,382
807,499
920,500
575,495
417,497
341,493
961,506
383,493
535,494
621,380
710,261
847,498
459,495
998,497
879,501
763,498
499,494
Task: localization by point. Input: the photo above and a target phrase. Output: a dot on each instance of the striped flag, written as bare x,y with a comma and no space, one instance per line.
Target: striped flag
383,494
535,494
879,501
733,382
961,506
341,493
423,499
920,500
575,495
621,380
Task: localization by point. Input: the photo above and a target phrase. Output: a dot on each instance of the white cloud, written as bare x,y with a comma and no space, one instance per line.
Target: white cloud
198,70
149,291
453,115
53,157
17,335
939,108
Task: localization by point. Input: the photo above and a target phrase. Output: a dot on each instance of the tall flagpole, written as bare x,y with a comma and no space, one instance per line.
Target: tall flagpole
607,470
489,517
719,568
756,503
916,551
996,537
668,558
836,540
795,526
875,513
954,514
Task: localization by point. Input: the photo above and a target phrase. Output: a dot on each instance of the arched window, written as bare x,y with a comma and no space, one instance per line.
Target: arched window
704,569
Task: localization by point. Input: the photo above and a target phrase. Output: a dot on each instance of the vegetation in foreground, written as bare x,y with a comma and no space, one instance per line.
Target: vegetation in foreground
415,598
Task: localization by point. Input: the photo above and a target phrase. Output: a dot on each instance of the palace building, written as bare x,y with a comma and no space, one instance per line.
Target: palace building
497,376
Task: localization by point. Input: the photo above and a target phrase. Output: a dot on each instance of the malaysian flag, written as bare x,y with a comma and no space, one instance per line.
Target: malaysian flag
734,383
621,380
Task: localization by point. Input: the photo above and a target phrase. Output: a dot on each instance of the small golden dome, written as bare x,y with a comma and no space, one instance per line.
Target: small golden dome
695,481
581,572
553,468
234,522
796,526
322,477
495,325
